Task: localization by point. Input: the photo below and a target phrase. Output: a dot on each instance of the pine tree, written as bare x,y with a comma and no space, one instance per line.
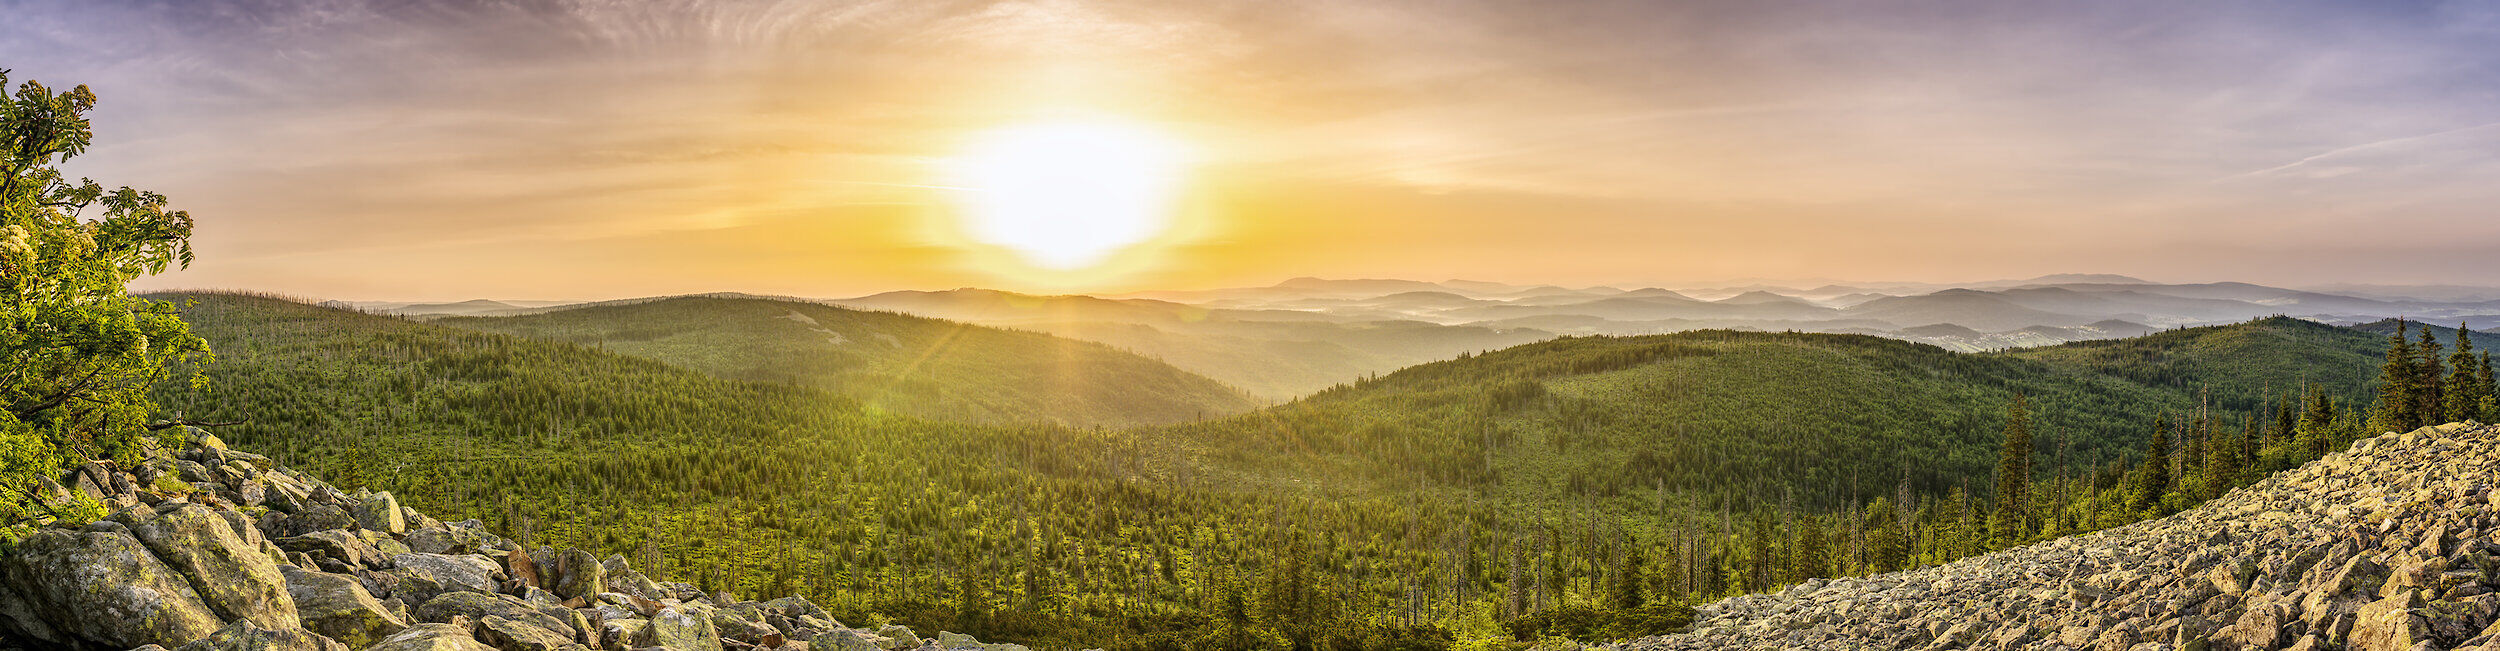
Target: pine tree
1812,557
2286,417
2152,480
2427,389
1626,593
2316,433
2464,397
2394,411
2010,521
2224,461
2490,400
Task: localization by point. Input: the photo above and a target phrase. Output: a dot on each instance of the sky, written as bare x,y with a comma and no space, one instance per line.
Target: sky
581,149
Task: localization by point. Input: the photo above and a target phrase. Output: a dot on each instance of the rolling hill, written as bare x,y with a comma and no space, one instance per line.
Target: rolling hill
1041,534
2241,363
928,368
1562,453
1726,417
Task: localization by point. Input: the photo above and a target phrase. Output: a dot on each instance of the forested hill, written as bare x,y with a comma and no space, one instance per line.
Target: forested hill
1718,418
2244,364
927,368
1415,502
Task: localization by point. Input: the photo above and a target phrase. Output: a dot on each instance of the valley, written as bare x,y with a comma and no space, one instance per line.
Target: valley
1413,492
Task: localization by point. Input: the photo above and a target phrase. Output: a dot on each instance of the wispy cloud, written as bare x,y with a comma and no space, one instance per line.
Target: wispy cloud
1790,132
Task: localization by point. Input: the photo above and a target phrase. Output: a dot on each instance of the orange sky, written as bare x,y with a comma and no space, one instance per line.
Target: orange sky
571,150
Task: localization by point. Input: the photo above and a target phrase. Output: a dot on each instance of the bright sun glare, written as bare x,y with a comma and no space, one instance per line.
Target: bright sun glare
1065,195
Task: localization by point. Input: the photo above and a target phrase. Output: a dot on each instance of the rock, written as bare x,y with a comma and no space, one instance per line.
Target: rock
314,517
509,635
616,634
735,625
431,637
848,640
679,631
339,607
100,588
430,540
2383,546
244,635
380,512
623,579
577,575
236,579
334,544
477,606
2388,625
901,635
423,576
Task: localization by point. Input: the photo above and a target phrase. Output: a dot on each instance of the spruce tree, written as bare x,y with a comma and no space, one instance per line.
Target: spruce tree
2490,400
2394,411
2316,433
2008,524
2152,480
2463,399
2433,379
1626,592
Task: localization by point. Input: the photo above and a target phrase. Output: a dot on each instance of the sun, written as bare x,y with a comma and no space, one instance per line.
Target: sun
1068,194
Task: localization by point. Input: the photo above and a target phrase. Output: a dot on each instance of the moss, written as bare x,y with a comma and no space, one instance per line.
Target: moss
168,484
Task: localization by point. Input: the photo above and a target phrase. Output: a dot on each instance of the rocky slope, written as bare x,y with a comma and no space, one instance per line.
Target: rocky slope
212,549
2386,546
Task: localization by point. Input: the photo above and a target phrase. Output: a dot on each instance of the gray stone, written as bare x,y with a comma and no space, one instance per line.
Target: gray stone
431,637
340,608
380,512
236,579
679,631
244,635
99,588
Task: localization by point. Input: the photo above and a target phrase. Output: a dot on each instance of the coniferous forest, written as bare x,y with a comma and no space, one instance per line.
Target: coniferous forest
1582,488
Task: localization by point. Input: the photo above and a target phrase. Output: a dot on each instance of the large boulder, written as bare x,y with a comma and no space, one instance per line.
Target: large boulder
847,640
314,517
478,606
678,630
338,606
430,637
244,635
99,588
509,635
237,580
422,576
334,544
577,575
622,578
380,512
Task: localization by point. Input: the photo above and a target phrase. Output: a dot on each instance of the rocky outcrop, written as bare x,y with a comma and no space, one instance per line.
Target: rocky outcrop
2388,546
213,549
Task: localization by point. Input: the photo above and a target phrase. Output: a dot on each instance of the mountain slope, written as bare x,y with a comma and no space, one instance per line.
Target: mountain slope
2375,548
923,367
2446,334
2239,362
1063,537
1723,417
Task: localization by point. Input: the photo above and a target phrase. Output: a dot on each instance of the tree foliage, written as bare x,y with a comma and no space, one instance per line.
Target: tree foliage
77,353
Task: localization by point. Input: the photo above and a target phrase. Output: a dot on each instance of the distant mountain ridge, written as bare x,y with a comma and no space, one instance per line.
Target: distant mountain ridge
1299,335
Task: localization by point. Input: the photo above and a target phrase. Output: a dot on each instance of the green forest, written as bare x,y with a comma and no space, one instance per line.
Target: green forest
925,368
1581,488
